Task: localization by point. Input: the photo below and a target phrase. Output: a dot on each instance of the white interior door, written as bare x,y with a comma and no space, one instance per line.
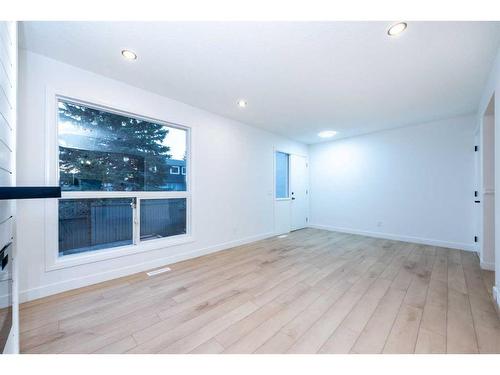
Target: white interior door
478,235
299,192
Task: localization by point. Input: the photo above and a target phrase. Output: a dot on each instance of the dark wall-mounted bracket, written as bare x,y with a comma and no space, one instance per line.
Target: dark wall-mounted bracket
30,192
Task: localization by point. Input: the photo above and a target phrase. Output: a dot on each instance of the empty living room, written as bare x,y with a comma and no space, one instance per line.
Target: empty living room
262,185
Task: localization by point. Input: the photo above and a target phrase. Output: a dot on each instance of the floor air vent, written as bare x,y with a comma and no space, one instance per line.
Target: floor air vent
157,272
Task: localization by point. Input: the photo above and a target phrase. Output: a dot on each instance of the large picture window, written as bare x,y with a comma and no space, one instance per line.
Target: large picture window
121,179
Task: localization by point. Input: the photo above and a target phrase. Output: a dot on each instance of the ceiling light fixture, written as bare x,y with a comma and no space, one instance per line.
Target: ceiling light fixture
129,55
397,28
242,103
327,133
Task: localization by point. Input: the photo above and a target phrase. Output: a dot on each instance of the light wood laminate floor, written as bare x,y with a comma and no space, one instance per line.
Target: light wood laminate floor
312,292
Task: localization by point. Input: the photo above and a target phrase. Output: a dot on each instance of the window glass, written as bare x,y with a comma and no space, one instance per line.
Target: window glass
162,218
94,224
282,170
105,151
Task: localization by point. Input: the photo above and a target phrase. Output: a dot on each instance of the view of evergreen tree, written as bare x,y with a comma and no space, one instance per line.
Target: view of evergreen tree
111,152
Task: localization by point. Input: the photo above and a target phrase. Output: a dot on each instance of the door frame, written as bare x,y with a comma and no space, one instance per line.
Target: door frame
486,188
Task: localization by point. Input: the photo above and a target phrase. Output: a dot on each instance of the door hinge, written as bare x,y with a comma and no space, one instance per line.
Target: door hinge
307,191
475,238
476,148
307,219
475,193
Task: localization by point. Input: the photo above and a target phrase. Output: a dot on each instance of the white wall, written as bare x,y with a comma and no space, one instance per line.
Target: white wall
492,86
413,183
232,175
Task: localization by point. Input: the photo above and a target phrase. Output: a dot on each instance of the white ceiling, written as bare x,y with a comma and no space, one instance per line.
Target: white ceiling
298,77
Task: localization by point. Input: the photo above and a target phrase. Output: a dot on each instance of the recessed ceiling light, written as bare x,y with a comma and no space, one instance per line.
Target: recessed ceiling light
129,55
397,29
242,103
327,133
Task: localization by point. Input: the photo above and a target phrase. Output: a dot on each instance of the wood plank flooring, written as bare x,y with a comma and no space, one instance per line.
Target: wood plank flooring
313,291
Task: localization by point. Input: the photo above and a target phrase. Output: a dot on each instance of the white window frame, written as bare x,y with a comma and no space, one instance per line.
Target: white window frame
52,259
183,171
178,169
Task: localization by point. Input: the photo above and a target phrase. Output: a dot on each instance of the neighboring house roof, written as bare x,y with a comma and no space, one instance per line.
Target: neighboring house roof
174,162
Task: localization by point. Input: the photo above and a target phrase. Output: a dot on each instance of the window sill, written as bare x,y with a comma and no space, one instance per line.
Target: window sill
283,199
116,252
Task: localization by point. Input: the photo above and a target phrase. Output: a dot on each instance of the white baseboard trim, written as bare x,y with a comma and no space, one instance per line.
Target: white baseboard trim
488,266
397,237
496,297
50,289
